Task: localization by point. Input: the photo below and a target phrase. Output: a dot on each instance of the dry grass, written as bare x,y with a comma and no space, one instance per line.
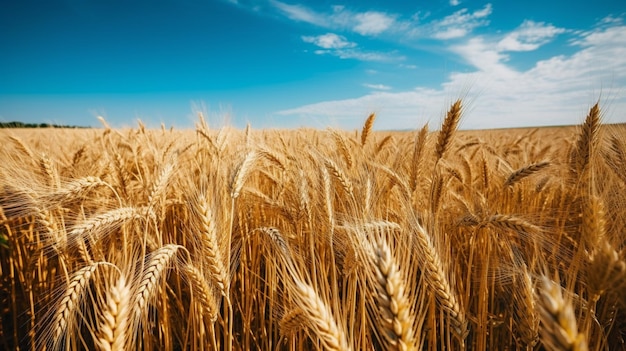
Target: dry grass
305,239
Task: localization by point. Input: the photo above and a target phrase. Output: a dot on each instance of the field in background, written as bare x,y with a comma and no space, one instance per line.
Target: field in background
314,239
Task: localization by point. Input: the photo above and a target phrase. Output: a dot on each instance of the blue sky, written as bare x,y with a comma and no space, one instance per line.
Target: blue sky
284,63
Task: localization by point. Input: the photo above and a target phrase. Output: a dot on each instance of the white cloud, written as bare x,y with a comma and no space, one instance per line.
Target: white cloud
484,56
355,53
488,56
329,41
372,23
611,20
451,33
529,36
300,13
460,23
364,23
337,45
377,86
555,91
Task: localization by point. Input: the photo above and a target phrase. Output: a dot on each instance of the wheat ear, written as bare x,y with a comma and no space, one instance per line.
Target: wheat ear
69,302
240,174
437,279
525,308
105,222
367,128
343,179
292,322
113,327
152,274
510,222
606,270
393,303
212,252
73,190
448,129
559,331
395,179
416,159
525,172
386,140
272,157
277,241
320,317
22,147
160,185
49,170
202,292
343,147
587,141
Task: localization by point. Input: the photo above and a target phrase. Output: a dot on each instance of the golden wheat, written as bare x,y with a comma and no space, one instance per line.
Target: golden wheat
314,239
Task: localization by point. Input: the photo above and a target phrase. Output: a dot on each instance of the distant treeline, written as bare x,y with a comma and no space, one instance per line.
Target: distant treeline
33,125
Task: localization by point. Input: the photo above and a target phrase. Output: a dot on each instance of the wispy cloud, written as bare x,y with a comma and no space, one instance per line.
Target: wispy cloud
460,23
529,36
338,45
484,56
301,13
556,90
372,23
393,27
489,55
377,86
329,41
357,54
339,18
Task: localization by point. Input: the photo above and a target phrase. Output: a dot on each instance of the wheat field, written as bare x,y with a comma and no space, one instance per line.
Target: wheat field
225,239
